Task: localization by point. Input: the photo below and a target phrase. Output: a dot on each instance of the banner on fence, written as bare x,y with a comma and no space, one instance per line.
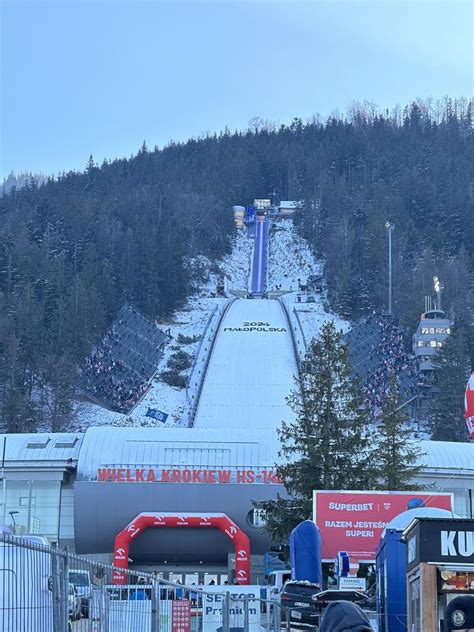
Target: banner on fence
213,610
181,616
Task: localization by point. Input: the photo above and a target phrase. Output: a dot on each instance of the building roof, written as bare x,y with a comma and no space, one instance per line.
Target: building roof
40,449
175,448
185,447
288,204
448,456
404,519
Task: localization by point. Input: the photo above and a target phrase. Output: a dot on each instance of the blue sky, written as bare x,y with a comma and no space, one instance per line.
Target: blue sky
102,76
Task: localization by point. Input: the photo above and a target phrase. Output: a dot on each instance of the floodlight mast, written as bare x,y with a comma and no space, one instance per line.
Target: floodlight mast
438,288
390,227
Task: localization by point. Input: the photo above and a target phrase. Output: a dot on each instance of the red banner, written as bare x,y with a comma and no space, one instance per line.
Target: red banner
353,521
469,406
181,616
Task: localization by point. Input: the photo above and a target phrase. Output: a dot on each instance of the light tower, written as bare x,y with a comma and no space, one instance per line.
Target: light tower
438,288
390,227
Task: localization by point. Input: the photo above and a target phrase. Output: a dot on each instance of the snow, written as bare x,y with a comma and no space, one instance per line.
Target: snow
291,260
251,369
236,266
290,257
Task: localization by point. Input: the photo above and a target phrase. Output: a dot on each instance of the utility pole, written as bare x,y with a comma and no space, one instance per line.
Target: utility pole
390,227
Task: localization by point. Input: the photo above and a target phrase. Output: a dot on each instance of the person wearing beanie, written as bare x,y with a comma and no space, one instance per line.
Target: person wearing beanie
344,616
460,614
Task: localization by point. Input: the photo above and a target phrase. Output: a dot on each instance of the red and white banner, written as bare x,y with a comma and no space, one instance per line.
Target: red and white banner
181,616
353,521
469,406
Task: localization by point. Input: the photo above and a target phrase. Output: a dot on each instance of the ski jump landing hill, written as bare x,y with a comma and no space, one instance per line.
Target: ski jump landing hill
252,362
251,369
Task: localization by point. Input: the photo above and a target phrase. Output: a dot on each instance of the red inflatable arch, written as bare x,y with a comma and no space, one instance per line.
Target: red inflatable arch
177,520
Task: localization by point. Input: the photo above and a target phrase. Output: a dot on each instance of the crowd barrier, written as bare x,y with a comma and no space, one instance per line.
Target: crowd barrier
45,588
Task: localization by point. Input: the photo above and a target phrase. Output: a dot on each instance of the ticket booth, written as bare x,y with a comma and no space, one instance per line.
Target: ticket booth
440,566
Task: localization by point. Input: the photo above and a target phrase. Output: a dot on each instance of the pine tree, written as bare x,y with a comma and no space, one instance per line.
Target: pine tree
447,408
398,457
328,445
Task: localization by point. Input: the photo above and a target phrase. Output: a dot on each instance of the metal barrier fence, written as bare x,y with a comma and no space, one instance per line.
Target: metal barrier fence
44,588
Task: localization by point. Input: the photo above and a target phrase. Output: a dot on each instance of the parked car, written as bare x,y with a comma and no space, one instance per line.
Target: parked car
74,603
82,582
297,604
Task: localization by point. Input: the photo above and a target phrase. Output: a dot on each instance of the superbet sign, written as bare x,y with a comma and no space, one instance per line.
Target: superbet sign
353,521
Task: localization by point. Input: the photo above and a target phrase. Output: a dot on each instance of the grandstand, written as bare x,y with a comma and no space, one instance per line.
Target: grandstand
377,354
117,373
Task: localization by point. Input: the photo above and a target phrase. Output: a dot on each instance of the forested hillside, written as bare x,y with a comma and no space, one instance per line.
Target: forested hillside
74,249
20,180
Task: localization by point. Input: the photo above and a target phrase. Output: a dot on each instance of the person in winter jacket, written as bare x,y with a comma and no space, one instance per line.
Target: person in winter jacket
344,616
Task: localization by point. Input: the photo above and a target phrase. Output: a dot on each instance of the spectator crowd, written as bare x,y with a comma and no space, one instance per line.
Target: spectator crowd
118,372
378,357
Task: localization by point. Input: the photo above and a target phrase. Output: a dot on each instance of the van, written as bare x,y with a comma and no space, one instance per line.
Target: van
276,579
26,598
82,582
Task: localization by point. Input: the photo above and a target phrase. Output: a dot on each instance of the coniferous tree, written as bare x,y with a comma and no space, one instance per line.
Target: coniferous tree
397,455
328,445
447,408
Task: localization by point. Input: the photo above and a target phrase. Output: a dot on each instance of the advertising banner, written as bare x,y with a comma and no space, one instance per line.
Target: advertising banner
353,521
181,616
212,608
469,406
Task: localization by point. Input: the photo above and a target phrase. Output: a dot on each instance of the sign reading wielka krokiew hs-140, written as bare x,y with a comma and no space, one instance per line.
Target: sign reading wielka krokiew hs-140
187,475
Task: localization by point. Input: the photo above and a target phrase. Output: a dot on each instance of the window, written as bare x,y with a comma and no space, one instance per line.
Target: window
255,517
25,501
415,605
37,506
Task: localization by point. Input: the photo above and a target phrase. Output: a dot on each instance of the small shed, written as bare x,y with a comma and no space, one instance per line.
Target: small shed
287,207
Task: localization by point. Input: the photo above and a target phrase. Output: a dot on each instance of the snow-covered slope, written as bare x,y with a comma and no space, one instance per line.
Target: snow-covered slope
291,261
290,257
236,266
251,369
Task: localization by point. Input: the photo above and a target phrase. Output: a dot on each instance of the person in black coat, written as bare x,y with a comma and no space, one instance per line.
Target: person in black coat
344,616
